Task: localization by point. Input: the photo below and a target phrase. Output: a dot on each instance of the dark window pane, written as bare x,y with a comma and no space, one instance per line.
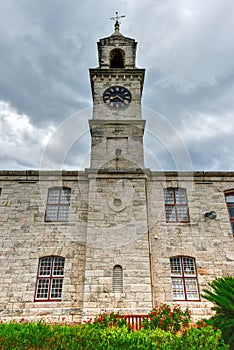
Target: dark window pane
176,268
189,267
231,212
53,197
51,213
232,224
58,268
180,196
178,289
65,196
45,266
42,288
63,213
56,288
182,213
191,289
170,214
169,196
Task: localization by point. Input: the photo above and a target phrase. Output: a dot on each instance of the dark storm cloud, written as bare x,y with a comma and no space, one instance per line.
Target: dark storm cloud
45,55
46,48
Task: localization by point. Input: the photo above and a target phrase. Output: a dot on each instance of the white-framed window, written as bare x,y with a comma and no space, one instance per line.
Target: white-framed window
58,203
117,285
50,279
184,278
230,205
176,207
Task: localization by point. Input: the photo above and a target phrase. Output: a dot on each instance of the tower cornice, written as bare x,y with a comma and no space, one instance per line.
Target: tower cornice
116,74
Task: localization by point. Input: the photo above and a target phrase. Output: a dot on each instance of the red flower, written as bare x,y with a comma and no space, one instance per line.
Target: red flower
63,318
214,328
198,326
160,322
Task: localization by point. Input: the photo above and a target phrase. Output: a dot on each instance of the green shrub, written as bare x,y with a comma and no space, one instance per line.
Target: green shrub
104,320
222,295
91,336
201,338
167,318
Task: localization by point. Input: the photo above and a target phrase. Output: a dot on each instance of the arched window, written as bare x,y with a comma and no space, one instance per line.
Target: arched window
50,278
176,206
117,58
184,278
117,279
230,205
58,203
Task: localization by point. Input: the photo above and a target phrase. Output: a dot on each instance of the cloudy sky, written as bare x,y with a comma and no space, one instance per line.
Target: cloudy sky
47,47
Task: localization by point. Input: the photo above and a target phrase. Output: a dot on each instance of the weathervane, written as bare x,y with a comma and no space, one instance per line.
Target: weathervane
116,19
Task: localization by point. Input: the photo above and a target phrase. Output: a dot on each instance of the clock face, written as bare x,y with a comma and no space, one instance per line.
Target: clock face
117,97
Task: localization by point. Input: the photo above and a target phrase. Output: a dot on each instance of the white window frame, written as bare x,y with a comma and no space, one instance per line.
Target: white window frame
230,207
184,278
50,276
175,205
58,203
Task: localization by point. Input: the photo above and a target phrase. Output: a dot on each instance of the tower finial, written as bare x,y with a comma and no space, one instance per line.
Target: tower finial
116,19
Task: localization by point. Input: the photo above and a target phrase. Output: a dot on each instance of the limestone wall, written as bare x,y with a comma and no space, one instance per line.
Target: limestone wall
210,242
117,234
116,218
26,237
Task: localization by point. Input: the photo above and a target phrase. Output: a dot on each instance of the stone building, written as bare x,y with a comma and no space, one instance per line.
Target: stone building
116,236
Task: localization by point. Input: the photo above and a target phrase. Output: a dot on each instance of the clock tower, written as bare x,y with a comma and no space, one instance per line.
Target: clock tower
117,127
117,262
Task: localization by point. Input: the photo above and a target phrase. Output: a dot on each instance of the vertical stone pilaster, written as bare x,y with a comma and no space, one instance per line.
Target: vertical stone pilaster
117,234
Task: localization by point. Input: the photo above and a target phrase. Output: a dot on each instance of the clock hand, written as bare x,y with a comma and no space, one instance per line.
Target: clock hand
116,96
120,98
112,97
